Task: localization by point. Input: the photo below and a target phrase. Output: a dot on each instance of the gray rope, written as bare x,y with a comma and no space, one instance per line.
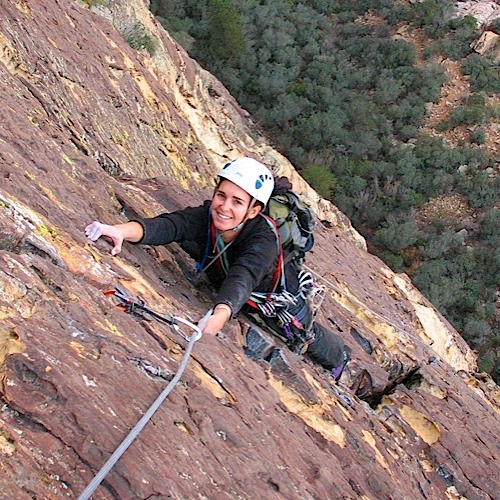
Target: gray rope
94,484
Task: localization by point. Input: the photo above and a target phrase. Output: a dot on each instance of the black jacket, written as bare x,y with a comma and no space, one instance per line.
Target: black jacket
252,256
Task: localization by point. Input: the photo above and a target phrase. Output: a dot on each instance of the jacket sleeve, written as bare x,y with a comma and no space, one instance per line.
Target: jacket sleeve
175,226
252,269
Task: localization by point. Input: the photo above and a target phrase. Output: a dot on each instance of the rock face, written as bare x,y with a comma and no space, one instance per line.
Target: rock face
485,11
92,129
488,45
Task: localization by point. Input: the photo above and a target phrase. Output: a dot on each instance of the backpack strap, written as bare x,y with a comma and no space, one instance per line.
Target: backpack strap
221,257
279,273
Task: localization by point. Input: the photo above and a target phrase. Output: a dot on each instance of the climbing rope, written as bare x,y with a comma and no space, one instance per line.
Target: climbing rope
197,329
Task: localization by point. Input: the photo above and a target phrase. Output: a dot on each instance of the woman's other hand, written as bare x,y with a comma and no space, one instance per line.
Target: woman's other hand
95,230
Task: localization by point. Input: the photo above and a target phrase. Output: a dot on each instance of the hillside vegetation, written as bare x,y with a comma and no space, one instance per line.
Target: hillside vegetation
346,98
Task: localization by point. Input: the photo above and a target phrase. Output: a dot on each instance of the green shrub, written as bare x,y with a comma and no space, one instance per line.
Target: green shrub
321,179
478,137
476,331
467,115
440,245
473,112
431,15
489,362
225,37
456,43
179,30
482,190
397,235
137,36
395,262
489,231
476,100
484,75
396,14
91,3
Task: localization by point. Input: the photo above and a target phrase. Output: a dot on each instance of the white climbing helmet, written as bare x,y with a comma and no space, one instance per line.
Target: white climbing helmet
251,176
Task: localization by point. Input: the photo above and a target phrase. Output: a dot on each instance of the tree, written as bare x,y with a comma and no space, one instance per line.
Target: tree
226,40
397,236
321,179
484,75
478,137
431,15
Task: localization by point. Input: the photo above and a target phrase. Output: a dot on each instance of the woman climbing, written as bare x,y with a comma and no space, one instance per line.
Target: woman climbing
238,248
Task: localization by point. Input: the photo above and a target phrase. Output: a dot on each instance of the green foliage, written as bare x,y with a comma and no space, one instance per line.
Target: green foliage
397,236
188,10
177,28
484,75
396,14
478,137
466,23
321,179
473,112
489,231
457,41
431,15
451,283
489,360
440,245
137,36
468,115
480,187
395,262
92,3
225,33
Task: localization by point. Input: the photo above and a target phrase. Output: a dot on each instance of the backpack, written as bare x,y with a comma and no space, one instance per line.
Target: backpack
295,222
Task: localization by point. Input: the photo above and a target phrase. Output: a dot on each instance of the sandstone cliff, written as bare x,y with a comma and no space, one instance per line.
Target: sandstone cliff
93,129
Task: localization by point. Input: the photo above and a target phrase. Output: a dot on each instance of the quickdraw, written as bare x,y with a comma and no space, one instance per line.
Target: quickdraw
134,306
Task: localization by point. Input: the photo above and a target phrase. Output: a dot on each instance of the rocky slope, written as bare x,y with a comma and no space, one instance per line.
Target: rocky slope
92,129
485,11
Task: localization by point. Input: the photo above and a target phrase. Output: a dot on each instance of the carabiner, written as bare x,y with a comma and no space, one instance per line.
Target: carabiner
196,329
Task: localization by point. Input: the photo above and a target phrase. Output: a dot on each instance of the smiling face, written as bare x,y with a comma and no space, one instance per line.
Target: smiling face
229,206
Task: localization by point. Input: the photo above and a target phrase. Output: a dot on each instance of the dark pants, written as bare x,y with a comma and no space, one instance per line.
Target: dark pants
327,349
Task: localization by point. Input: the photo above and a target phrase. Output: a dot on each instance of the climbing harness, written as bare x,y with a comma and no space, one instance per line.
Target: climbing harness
290,310
132,305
